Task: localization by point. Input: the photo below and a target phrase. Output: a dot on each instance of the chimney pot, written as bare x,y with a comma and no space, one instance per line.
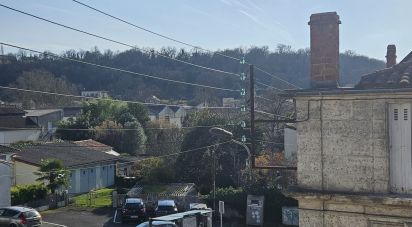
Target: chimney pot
390,56
324,45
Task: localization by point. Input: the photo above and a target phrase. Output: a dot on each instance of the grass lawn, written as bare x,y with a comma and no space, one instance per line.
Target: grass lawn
97,199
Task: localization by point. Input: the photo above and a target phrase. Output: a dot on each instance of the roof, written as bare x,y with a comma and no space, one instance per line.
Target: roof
397,76
69,153
134,200
92,144
15,122
155,109
41,112
7,150
173,189
10,110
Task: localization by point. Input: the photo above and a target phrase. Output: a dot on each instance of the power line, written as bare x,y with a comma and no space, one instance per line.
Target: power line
115,100
263,98
276,77
121,70
119,129
272,114
132,162
118,42
155,33
275,88
181,42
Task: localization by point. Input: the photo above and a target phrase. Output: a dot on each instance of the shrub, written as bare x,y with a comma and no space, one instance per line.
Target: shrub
27,193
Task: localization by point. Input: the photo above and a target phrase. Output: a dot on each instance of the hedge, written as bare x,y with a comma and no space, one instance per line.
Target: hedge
28,193
235,198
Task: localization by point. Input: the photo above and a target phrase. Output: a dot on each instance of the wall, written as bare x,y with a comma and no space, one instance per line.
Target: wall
93,177
343,154
343,146
24,173
5,183
11,136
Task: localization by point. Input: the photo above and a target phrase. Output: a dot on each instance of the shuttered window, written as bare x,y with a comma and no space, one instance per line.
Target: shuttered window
400,148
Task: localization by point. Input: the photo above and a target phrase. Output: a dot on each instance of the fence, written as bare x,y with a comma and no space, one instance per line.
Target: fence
50,202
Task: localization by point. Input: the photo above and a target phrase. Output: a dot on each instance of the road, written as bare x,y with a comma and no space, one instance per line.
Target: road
75,217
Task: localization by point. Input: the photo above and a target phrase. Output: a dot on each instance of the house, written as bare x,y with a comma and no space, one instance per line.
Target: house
178,116
95,94
354,144
89,168
46,119
124,163
15,126
167,115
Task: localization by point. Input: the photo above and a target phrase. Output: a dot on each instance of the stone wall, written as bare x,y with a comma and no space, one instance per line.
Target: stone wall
343,145
343,162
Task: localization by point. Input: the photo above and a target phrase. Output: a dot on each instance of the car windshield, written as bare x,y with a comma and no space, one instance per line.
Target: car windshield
168,208
133,205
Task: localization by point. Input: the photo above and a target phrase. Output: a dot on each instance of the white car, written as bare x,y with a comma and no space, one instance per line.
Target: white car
158,224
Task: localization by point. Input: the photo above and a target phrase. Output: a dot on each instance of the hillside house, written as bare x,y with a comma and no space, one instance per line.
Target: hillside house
167,115
354,144
15,126
96,94
89,168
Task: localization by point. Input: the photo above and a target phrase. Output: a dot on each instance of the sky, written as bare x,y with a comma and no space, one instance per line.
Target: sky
368,26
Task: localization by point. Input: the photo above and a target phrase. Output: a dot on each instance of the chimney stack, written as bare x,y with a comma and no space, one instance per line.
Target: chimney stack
324,48
390,56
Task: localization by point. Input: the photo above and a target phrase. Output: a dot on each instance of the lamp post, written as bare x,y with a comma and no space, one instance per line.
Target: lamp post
226,134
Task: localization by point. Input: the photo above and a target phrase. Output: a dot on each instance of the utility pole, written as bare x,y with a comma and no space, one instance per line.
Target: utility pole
252,114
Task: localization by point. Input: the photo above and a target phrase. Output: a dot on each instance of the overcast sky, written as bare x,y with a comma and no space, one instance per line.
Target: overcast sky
367,25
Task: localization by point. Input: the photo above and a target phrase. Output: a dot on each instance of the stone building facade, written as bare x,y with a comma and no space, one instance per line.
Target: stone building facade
344,175
354,144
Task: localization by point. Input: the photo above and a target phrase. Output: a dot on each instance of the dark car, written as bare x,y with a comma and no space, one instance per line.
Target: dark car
133,209
16,216
165,207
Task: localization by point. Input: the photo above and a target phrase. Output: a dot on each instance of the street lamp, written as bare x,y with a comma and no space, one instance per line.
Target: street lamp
220,132
226,134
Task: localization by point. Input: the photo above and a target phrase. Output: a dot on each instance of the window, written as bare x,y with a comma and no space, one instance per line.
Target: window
167,119
400,132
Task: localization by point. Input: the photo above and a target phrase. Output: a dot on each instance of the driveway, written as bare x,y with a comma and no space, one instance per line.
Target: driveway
74,217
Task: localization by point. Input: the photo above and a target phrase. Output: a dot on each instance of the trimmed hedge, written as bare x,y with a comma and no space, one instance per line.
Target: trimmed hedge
235,198
28,193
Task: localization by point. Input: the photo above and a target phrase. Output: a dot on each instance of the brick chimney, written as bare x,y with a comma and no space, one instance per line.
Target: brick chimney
390,56
324,47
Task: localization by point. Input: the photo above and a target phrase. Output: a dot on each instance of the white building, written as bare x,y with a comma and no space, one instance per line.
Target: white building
15,126
5,182
89,168
95,94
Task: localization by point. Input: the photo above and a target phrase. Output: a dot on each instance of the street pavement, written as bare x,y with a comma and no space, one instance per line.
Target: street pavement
78,217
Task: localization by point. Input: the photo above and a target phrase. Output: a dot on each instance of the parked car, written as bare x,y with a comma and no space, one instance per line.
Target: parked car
158,224
165,207
16,216
133,209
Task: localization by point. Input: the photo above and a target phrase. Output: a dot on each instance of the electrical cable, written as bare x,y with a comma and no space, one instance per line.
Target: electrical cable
181,42
117,42
120,70
129,162
115,100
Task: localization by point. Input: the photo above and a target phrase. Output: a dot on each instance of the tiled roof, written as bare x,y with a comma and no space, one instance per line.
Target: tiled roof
92,144
398,76
155,109
71,154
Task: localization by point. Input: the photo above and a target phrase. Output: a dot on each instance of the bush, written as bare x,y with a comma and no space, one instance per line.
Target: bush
28,193
236,200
